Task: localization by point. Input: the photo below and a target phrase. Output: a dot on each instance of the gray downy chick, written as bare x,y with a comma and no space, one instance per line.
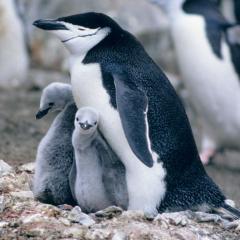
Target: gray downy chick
55,152
97,178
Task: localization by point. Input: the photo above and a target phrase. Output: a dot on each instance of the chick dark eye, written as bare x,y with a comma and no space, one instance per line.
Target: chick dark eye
77,119
50,104
95,123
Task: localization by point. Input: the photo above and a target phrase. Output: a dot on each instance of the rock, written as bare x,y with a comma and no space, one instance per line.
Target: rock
119,236
24,218
65,207
23,195
136,215
77,216
28,167
109,212
65,221
2,203
3,224
4,168
185,234
32,218
74,232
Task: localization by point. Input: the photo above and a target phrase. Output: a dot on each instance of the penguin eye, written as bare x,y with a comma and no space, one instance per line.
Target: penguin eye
50,104
77,119
95,123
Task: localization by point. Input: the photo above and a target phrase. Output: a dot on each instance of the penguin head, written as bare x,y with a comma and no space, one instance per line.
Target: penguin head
174,5
86,120
54,98
81,32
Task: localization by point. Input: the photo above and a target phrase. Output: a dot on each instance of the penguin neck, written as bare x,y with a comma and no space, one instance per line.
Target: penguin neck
83,141
76,58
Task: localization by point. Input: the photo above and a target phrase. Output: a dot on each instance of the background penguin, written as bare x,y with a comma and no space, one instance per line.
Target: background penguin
231,9
13,54
237,9
55,152
97,178
142,118
208,50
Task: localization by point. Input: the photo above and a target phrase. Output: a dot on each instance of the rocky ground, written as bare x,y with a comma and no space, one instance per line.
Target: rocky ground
21,217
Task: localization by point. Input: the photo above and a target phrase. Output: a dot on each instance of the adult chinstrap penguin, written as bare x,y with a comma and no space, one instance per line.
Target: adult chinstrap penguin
55,152
97,177
142,118
208,50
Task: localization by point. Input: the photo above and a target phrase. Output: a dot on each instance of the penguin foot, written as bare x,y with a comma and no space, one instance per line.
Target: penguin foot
150,215
207,155
232,225
207,217
222,219
109,212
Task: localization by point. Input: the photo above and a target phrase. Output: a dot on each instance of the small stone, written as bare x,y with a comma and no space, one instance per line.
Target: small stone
119,236
76,215
74,232
32,218
28,167
185,234
23,195
133,215
65,207
4,168
3,224
2,204
109,212
65,221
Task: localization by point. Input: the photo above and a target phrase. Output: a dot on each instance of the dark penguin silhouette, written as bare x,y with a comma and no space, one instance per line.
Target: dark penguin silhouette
142,118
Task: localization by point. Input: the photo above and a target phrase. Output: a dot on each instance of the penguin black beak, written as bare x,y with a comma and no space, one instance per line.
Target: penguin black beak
85,126
41,113
49,25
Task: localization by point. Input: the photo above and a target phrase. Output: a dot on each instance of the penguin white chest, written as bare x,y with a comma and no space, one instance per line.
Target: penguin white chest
206,75
146,186
88,90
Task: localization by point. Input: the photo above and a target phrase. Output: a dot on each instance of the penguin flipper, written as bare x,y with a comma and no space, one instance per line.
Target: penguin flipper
132,105
233,37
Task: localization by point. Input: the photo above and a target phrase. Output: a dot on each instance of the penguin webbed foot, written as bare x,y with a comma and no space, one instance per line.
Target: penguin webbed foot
227,221
207,217
207,156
